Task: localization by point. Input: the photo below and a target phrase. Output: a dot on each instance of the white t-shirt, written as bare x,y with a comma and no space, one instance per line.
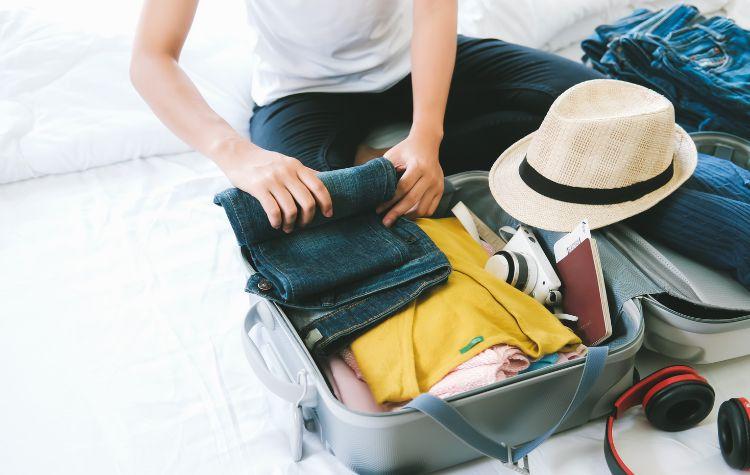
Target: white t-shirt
328,46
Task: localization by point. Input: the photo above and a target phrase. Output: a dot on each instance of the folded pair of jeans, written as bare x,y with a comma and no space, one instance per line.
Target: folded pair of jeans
341,274
702,65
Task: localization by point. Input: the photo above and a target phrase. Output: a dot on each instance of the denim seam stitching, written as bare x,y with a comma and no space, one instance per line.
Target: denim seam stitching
675,55
428,258
392,238
390,172
400,303
349,305
236,216
276,270
383,233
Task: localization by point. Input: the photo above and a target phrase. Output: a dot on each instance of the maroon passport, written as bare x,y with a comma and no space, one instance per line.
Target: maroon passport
584,294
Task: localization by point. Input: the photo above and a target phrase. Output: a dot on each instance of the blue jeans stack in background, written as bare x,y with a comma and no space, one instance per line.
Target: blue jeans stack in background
701,64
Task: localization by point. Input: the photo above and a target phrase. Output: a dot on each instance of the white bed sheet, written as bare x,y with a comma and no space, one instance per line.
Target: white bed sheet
121,293
121,297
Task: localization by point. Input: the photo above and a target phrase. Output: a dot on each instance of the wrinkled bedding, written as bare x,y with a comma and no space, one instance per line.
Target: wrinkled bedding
121,292
66,103
121,296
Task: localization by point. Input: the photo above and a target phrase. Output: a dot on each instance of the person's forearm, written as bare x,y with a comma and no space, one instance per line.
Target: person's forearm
289,192
178,104
156,74
433,54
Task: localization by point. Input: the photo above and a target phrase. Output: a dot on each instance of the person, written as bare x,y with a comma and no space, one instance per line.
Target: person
326,72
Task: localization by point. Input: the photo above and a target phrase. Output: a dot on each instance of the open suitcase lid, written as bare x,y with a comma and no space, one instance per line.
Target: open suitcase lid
633,267
692,289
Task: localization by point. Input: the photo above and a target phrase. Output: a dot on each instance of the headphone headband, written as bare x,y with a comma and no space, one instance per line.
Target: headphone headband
634,396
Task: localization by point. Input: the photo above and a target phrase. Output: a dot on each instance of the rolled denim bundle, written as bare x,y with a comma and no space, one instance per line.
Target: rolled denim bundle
340,275
354,191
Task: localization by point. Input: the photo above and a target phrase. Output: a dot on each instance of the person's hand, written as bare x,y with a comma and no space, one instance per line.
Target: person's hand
421,186
288,191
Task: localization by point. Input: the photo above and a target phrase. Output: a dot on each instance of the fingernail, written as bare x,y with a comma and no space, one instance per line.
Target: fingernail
328,213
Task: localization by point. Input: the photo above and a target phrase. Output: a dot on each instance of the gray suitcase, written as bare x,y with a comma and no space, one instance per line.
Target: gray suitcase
510,413
707,319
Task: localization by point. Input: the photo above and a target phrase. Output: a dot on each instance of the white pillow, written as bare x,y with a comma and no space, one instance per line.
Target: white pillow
553,24
535,23
66,102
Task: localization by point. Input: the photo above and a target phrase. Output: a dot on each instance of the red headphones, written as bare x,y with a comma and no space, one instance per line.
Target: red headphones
676,398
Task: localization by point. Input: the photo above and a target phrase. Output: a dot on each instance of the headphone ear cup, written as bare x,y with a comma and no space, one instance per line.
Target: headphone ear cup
680,406
734,434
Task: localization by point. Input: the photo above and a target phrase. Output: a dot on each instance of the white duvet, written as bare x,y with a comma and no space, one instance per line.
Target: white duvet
120,291
66,103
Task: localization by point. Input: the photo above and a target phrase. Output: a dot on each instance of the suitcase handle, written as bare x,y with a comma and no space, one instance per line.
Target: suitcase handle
298,394
448,417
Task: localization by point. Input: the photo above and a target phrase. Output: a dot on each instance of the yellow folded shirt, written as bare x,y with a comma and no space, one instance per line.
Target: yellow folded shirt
411,351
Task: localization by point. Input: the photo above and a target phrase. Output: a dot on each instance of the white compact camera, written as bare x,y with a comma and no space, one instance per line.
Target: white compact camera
523,264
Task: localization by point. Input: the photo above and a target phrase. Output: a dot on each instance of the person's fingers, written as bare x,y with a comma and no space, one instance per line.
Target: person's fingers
413,212
423,208
406,203
397,158
404,186
271,208
434,204
319,192
288,207
304,199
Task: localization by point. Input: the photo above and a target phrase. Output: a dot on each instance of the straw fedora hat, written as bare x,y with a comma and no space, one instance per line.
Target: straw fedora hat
606,150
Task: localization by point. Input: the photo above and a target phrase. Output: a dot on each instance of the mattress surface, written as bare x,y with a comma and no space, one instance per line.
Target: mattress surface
121,297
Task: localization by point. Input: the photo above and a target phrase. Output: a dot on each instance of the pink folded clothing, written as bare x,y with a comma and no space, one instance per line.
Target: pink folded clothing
579,352
494,364
349,389
490,366
348,356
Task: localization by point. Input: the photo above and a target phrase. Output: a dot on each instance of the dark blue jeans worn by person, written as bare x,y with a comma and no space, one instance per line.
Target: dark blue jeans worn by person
701,64
341,274
707,218
499,93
